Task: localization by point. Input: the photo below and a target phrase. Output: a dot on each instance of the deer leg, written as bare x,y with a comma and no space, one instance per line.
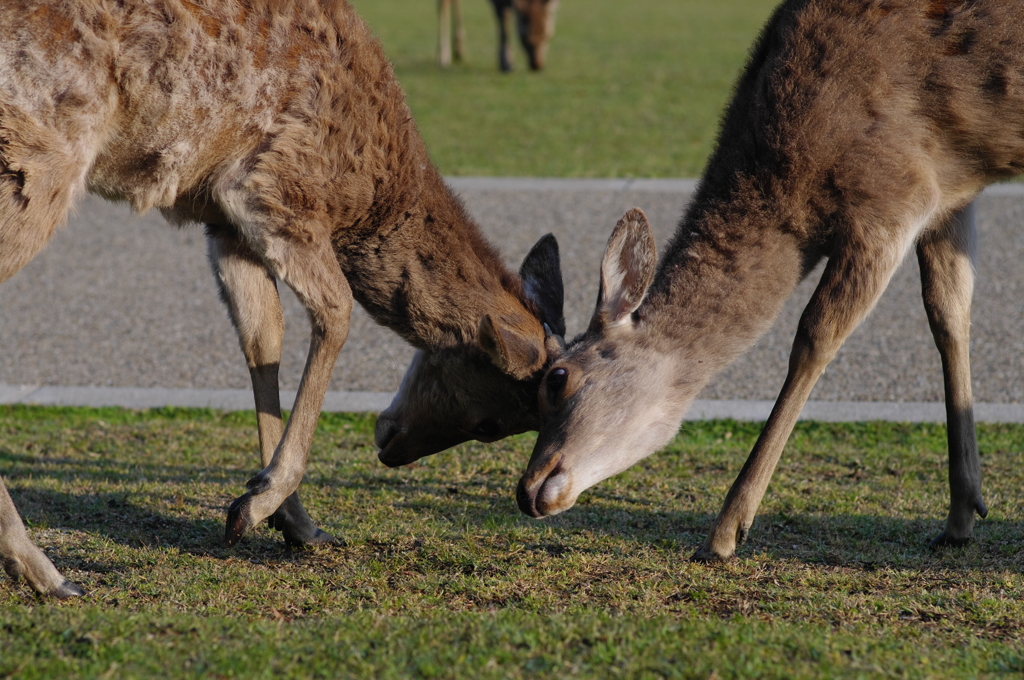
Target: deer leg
25,227
946,257
444,44
851,284
503,10
250,294
21,557
37,185
312,271
460,30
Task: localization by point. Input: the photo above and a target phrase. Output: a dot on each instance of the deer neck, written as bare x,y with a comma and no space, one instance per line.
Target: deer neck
428,273
721,283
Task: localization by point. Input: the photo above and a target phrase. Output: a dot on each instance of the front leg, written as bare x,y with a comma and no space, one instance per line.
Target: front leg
946,256
250,293
22,558
851,284
312,271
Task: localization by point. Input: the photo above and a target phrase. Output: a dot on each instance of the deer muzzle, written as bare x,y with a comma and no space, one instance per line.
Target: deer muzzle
546,489
400,445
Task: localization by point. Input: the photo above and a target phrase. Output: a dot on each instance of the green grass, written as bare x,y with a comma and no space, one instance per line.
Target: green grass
632,89
440,576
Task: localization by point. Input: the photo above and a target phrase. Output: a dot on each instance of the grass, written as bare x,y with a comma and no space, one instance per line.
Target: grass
439,576
632,89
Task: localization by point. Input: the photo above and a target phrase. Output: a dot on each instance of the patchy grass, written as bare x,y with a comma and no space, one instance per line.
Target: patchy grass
438,575
632,89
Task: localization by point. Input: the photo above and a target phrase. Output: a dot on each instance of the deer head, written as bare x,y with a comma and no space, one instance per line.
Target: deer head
454,395
609,399
536,25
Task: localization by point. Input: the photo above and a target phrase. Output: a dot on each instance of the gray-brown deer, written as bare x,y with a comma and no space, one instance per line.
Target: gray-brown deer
534,24
858,131
281,127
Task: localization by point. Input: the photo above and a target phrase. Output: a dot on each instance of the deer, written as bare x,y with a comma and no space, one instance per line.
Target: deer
534,23
856,132
282,129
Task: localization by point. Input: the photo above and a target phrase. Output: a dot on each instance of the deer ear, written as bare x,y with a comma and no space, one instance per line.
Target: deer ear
627,270
542,278
513,353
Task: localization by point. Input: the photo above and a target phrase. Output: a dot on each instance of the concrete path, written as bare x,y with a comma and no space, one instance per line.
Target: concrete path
122,310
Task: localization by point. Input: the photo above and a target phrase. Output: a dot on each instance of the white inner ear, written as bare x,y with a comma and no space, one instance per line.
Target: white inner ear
616,303
618,283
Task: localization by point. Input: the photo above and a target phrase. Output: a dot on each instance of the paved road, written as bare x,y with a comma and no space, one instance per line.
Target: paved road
118,300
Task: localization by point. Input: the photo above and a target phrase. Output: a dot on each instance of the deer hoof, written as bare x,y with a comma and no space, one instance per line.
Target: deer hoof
946,540
292,520
238,520
319,537
66,591
298,533
742,534
705,555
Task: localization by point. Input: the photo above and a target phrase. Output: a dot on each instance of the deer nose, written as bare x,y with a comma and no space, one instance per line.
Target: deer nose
527,501
530,491
385,430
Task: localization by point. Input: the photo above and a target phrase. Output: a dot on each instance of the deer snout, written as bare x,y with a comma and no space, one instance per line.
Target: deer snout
385,434
403,444
546,489
396,449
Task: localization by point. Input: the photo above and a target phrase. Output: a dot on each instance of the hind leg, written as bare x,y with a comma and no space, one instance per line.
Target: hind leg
946,257
37,185
250,293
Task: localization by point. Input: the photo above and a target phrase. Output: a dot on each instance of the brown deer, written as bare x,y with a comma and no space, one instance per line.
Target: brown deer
858,131
281,127
534,23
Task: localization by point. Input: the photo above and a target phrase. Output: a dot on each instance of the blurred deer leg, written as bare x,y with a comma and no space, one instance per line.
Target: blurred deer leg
444,32
505,17
460,30
312,271
250,293
946,257
853,280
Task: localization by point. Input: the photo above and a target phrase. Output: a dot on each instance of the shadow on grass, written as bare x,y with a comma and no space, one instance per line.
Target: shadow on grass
64,467
841,540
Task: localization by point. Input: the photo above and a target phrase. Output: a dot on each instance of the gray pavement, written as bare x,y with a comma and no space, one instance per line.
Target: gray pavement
122,310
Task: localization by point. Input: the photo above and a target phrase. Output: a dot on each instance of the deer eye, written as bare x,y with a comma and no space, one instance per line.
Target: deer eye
556,381
488,427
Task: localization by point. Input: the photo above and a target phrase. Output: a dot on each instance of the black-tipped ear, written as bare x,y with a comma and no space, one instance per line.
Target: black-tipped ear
627,270
513,354
541,272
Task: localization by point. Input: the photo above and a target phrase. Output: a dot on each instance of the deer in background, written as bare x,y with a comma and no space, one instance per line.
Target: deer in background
858,132
534,23
284,131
